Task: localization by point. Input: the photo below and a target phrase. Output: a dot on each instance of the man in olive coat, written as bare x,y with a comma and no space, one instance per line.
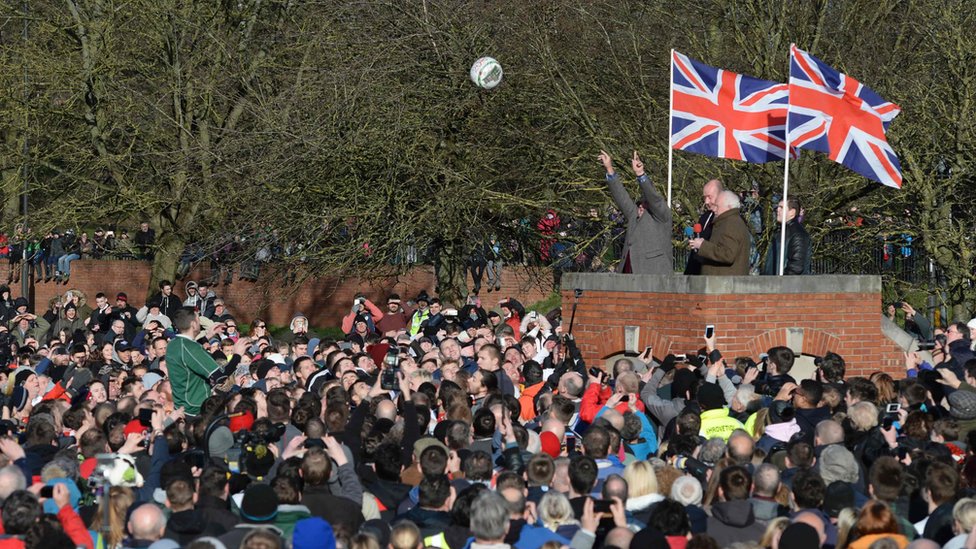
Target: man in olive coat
727,251
647,245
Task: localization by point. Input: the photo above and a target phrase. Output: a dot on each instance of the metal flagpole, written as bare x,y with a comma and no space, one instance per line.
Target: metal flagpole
784,209
670,124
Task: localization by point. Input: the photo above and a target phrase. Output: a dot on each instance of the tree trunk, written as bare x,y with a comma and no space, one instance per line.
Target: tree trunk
451,279
168,250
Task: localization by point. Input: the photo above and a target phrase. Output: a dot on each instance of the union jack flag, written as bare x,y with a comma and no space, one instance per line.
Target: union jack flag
720,113
835,114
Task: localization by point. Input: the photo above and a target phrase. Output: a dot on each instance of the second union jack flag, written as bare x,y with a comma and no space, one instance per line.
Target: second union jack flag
720,113
835,114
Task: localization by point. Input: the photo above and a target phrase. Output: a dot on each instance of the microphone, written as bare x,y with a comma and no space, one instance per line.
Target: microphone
697,229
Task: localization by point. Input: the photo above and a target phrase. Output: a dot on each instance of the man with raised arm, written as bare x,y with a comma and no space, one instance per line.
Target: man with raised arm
647,246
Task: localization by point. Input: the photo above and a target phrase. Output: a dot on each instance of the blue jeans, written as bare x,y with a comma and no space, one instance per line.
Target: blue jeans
64,263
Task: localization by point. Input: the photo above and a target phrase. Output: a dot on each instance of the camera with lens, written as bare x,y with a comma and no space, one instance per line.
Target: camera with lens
388,379
251,454
693,467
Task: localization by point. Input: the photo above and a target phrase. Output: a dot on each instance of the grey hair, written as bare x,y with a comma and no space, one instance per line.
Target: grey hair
864,415
555,510
489,517
729,199
829,432
61,467
766,480
712,451
745,394
686,490
11,480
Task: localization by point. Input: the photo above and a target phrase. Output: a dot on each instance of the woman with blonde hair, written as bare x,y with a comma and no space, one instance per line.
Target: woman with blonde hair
963,521
556,514
774,530
119,501
642,489
876,522
845,522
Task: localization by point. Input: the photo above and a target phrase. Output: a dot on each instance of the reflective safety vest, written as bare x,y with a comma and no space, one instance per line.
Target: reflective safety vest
437,540
417,319
718,423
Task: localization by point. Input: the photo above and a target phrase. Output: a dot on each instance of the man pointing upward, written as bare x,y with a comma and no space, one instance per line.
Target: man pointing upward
647,246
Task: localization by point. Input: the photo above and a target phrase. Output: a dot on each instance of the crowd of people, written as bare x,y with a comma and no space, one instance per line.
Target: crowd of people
481,426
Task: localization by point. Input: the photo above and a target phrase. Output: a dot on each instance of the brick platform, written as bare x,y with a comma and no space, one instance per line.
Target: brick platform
323,299
809,314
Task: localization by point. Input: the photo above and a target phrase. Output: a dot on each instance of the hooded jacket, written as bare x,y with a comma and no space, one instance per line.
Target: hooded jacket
527,400
288,515
733,521
429,521
144,317
388,496
185,526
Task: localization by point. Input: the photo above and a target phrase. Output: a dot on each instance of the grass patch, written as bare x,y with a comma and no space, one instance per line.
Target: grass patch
554,300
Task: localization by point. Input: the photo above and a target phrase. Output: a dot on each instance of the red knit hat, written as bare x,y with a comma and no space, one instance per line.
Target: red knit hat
242,422
134,428
550,444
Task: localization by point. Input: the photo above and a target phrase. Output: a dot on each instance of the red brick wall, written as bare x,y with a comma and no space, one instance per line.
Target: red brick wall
846,323
324,300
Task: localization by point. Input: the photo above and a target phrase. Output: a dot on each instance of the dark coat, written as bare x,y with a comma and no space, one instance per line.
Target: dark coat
334,509
707,221
808,418
733,521
798,251
727,252
428,521
388,495
648,239
216,511
939,526
186,526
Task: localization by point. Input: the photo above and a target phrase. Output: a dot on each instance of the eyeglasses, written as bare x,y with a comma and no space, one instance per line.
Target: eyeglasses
260,325
232,325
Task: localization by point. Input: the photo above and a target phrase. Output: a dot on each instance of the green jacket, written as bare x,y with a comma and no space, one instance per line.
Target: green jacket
190,368
38,331
288,515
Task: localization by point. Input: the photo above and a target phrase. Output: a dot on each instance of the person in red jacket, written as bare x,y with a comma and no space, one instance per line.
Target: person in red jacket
511,311
22,509
598,392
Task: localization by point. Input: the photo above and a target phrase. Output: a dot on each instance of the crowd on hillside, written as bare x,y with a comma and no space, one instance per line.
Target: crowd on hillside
479,426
